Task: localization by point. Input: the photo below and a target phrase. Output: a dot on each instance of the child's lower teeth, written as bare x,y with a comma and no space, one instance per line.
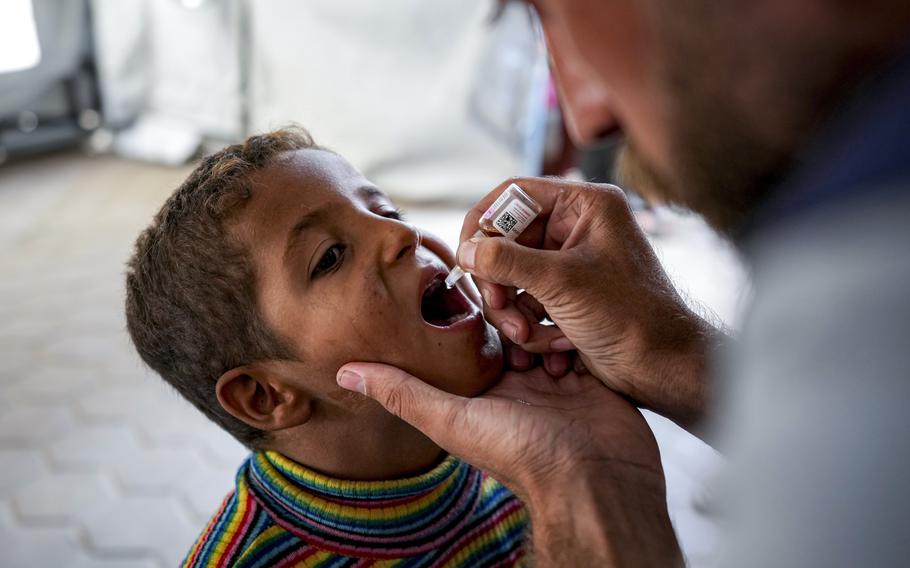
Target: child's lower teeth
454,318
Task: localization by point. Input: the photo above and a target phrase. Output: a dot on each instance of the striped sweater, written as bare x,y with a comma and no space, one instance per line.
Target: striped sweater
283,514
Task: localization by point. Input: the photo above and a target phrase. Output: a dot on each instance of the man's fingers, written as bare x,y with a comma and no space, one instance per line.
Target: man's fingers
493,294
518,358
519,322
425,407
508,263
546,339
510,321
557,364
541,338
530,306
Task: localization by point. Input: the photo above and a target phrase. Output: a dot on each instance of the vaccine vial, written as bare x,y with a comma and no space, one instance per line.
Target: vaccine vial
509,216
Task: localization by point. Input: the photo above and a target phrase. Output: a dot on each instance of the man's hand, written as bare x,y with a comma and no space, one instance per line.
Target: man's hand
586,265
580,456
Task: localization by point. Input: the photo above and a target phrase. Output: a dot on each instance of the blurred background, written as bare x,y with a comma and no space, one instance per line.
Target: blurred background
104,107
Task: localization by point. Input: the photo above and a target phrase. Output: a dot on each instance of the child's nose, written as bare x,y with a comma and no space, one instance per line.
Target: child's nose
399,241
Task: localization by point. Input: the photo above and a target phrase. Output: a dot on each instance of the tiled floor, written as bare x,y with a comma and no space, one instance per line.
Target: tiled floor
100,463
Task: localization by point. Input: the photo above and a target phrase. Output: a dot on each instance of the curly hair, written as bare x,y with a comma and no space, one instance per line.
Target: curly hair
191,288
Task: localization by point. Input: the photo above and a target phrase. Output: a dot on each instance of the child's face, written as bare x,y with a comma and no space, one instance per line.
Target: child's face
342,279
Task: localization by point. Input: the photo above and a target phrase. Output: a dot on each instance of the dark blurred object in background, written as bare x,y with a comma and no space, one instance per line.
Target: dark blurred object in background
597,163
55,103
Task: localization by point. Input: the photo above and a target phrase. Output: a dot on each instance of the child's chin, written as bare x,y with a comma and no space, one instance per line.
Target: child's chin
470,369
489,364
473,377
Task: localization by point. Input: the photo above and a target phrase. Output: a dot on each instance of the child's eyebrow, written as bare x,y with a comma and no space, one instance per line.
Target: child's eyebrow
368,191
309,219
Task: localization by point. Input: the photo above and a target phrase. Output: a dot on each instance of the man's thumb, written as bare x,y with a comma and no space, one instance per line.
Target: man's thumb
505,262
425,407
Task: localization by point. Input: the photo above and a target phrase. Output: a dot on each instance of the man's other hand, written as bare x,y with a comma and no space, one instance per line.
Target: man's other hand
579,455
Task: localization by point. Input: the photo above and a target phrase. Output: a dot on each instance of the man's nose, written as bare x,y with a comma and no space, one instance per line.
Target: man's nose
584,99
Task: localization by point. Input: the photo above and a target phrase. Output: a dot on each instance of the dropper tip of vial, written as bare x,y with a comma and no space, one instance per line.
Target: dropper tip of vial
454,277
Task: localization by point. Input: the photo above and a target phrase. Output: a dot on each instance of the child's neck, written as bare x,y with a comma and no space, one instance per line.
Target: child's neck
392,451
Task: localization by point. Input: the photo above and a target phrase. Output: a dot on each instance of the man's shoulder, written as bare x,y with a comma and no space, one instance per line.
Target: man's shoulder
814,420
858,250
839,277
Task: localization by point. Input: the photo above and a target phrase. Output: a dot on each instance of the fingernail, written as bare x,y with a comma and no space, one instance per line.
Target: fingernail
486,297
351,381
510,330
561,344
466,254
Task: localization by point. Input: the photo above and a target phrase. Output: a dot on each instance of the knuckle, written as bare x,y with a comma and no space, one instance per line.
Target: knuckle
399,400
495,317
614,198
613,191
453,419
552,278
491,257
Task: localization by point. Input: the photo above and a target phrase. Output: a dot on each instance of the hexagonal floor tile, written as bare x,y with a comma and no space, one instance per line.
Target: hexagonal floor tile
19,467
90,347
93,446
87,560
27,547
123,401
153,524
55,383
33,424
204,490
158,471
62,496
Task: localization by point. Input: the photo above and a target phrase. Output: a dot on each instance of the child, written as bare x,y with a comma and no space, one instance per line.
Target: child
271,266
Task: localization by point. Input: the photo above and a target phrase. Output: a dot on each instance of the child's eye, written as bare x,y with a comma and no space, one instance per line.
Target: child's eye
330,260
392,214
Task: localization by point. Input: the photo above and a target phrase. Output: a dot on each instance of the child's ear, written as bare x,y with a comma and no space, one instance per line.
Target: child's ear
260,395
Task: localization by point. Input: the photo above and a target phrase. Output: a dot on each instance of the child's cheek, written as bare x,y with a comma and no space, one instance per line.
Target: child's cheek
438,247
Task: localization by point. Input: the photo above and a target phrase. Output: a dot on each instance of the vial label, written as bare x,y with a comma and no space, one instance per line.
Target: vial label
509,215
513,219
493,209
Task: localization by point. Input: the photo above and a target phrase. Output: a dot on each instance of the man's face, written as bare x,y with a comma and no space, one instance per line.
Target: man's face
341,278
713,98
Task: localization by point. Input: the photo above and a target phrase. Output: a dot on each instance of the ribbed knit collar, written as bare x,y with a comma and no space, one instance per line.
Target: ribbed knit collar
386,518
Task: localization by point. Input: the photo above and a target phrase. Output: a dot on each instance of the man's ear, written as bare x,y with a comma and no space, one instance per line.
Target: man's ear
260,395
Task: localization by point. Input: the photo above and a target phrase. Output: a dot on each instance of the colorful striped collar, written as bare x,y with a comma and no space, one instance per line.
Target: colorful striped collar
389,517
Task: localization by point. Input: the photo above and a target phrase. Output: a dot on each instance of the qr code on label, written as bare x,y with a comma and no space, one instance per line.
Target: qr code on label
505,222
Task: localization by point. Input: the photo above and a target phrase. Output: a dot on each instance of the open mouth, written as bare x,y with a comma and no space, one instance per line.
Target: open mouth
441,306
